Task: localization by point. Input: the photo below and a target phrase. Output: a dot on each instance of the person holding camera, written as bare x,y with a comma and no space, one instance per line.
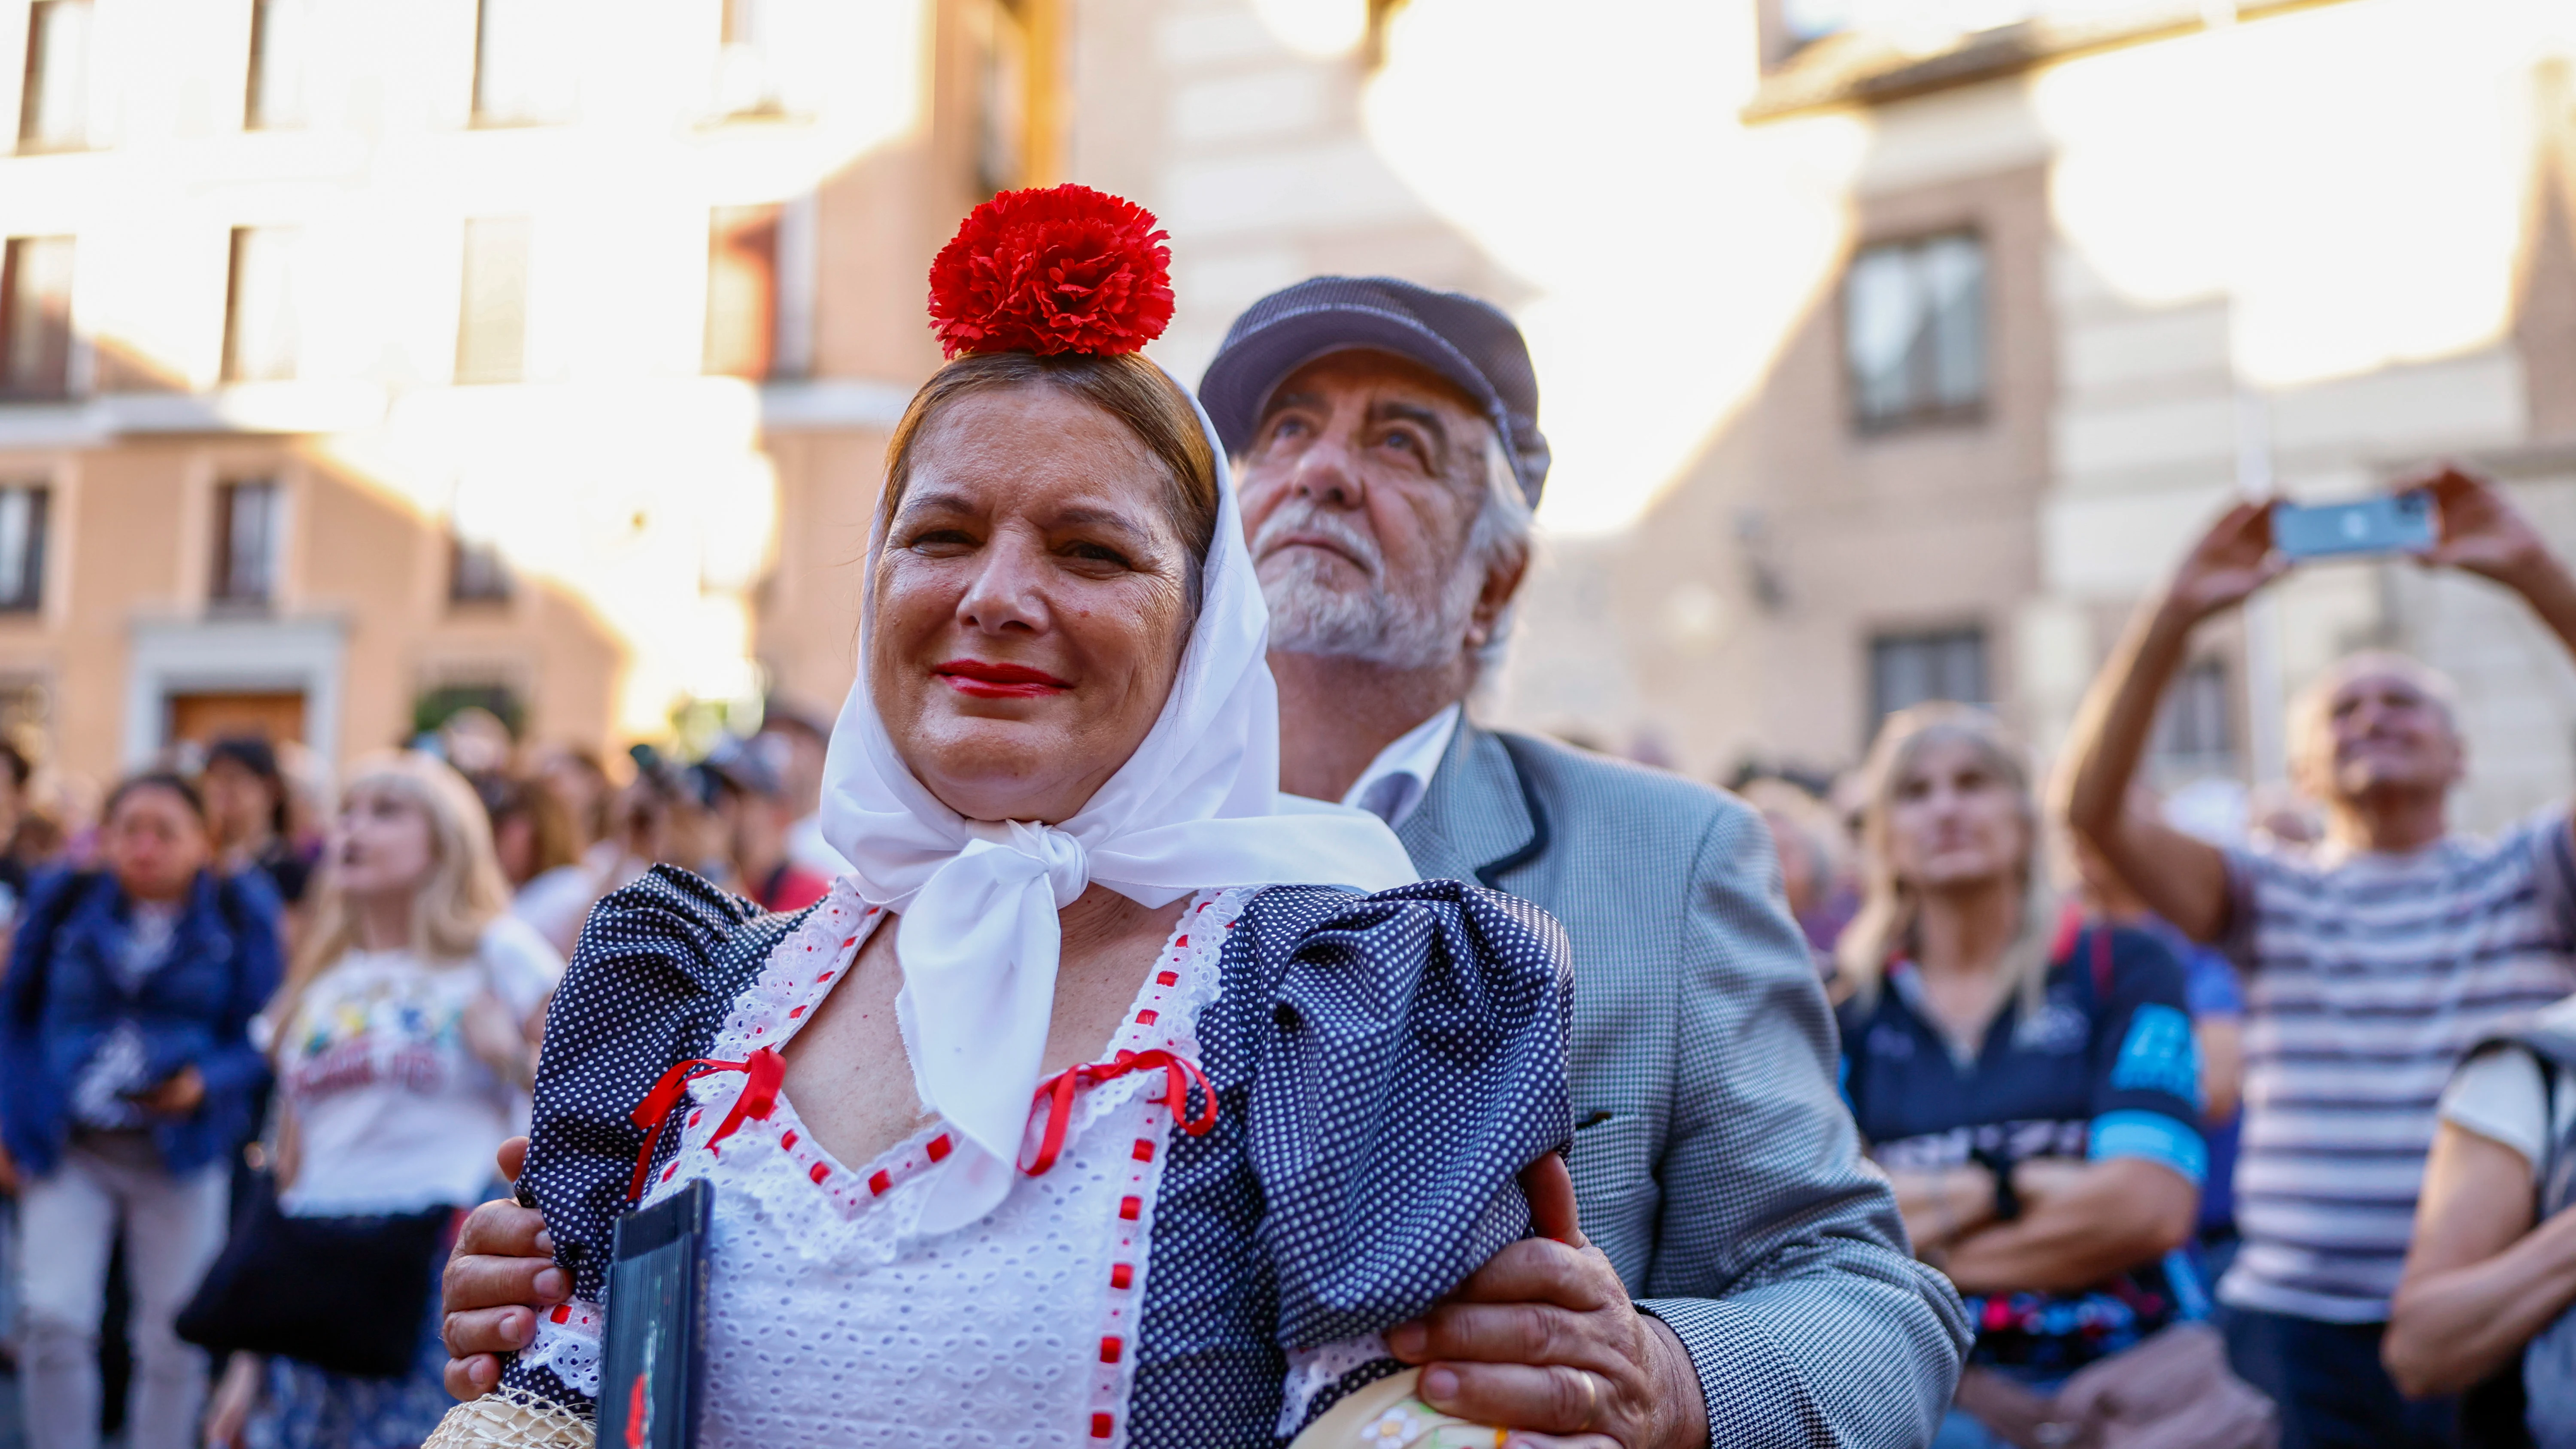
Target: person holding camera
2373,961
126,1079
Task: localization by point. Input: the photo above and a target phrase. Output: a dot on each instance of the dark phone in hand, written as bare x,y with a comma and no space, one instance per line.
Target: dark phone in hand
652,1371
2392,523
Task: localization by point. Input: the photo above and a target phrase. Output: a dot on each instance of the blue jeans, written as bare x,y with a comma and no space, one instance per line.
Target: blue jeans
2328,1381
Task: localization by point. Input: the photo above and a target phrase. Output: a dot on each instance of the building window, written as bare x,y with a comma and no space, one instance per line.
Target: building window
280,34
53,106
259,312
476,572
2194,731
742,291
1916,668
1914,331
22,547
524,52
492,330
1004,74
247,519
36,317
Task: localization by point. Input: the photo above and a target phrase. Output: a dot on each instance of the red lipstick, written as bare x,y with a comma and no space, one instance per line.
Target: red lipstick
979,680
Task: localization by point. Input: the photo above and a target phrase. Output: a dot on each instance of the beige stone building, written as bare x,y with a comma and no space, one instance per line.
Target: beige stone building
360,357
2100,269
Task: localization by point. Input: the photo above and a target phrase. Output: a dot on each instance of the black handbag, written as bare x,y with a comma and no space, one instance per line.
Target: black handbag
344,1294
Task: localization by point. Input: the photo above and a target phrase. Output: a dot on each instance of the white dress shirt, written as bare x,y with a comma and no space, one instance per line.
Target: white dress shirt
1393,785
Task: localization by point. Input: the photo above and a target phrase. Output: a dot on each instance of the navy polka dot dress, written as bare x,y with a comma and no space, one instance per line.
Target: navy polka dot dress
1381,1066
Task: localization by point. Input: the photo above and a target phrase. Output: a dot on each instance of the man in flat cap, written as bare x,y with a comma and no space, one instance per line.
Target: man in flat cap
1747,1279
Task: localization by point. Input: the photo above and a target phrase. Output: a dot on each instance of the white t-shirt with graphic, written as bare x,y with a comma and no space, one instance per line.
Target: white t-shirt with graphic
393,1110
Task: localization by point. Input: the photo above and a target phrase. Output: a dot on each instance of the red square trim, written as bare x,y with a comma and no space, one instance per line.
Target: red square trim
1122,1275
789,1140
1147,1017
1144,1149
939,1148
1100,1424
1167,978
1130,1207
562,1313
1109,1350
878,1181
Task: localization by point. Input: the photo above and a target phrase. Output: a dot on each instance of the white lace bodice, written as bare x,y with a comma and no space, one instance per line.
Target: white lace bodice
832,1319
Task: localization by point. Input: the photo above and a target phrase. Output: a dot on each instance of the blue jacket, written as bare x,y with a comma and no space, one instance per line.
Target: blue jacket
61,998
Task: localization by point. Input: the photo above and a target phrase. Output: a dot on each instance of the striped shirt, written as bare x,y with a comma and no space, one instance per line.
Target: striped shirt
2368,976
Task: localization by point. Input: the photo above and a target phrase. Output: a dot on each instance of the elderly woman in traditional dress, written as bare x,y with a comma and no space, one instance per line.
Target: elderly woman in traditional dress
1095,1106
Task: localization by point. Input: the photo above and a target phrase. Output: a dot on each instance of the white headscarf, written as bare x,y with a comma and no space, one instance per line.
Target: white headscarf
979,939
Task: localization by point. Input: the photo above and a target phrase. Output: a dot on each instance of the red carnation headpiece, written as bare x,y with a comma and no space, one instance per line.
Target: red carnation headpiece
1065,269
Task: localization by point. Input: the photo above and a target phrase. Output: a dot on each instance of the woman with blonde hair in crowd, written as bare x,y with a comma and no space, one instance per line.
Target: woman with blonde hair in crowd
404,1044
2031,1089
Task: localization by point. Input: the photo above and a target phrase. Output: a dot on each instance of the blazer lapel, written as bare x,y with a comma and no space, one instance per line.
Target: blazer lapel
1473,814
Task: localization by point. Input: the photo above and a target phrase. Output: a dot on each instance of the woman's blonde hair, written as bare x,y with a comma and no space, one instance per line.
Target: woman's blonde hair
464,893
1883,928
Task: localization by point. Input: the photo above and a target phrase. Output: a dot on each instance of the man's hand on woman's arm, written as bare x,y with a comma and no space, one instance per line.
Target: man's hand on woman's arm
2182,879
501,1274
1544,1339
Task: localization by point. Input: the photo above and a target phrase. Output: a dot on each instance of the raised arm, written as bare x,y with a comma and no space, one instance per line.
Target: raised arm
2182,879
2484,534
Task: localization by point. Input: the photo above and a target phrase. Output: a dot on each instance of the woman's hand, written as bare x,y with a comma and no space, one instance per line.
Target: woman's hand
2038,1179
2229,563
1941,1205
235,1395
179,1094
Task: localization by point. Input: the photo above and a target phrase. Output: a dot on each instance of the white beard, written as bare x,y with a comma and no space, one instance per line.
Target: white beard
1308,615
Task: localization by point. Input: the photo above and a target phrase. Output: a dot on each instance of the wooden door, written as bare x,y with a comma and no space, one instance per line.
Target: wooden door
276,715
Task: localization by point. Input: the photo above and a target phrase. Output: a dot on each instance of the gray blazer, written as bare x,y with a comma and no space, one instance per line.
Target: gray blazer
1714,1162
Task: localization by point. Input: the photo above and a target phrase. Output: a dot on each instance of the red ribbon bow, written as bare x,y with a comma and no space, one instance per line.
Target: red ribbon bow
1178,1072
765,1068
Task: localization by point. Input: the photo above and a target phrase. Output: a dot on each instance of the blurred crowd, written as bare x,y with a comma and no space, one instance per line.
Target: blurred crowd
2256,1107
244,997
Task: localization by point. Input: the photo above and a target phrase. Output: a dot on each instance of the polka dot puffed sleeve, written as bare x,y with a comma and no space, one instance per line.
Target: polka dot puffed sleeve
1412,1062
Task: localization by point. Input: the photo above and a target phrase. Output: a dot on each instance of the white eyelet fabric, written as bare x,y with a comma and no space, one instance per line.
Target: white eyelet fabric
567,1342
833,1317
1381,1067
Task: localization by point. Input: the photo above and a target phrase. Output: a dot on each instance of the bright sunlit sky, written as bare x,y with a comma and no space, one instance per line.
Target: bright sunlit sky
2352,176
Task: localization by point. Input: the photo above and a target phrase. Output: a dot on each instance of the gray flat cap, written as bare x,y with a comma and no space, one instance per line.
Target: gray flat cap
1467,341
